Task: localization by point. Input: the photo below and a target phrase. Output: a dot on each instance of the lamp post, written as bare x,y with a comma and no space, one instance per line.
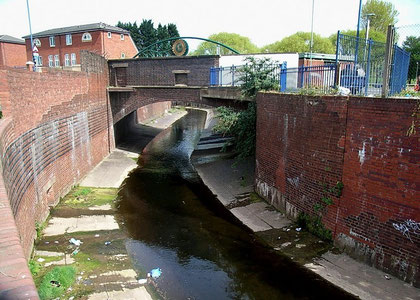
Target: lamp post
367,24
357,33
30,31
312,32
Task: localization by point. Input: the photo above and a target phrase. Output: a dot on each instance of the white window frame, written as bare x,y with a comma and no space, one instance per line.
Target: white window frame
50,61
109,34
52,41
56,60
69,39
67,60
73,59
40,61
37,42
122,55
122,36
86,37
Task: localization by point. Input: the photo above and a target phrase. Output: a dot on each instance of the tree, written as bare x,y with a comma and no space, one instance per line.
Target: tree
385,14
146,34
412,45
256,75
240,43
373,34
300,42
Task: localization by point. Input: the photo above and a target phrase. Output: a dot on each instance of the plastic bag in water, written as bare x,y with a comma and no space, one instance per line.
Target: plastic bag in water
155,273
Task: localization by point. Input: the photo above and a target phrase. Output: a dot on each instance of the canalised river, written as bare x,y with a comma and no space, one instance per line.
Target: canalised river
175,223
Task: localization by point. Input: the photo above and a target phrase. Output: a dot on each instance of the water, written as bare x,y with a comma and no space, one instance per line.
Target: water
175,223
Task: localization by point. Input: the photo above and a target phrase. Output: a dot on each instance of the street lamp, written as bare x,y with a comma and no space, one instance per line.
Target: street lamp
30,31
367,24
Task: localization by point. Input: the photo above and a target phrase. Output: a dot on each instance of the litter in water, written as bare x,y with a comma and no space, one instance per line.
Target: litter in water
298,229
155,273
142,281
75,242
107,243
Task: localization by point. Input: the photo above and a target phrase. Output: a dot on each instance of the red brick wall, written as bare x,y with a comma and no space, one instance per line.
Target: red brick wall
152,110
159,71
305,144
114,46
12,55
58,132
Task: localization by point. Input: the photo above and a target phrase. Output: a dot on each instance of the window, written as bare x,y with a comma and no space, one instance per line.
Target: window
50,61
37,42
73,59
66,60
86,37
122,55
122,37
52,41
68,39
38,61
56,60
109,35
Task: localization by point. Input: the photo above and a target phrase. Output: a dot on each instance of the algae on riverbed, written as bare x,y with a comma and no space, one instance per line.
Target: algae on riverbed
83,197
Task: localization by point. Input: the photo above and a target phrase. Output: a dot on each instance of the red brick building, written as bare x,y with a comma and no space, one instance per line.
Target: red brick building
12,51
60,47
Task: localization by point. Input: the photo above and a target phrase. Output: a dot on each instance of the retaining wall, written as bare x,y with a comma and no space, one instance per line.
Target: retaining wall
54,130
305,145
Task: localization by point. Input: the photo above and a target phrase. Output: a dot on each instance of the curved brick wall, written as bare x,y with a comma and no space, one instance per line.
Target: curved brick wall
55,130
305,143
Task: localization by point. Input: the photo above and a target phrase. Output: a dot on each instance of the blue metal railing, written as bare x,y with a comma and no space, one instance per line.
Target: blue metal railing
320,77
365,76
232,76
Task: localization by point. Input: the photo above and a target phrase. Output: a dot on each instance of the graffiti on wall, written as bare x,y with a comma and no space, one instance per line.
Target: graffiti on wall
408,227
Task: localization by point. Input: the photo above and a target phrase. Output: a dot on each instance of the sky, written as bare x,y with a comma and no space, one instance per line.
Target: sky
263,21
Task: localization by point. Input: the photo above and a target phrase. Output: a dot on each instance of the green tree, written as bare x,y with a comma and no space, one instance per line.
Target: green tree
373,34
257,75
300,42
240,43
412,45
146,34
385,14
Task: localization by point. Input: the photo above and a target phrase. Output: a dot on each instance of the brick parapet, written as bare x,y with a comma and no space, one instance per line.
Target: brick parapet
307,143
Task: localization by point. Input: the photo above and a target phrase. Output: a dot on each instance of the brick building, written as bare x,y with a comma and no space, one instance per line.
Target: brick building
12,51
60,47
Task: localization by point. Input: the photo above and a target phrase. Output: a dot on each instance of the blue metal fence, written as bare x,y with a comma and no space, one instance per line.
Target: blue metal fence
232,76
316,77
361,66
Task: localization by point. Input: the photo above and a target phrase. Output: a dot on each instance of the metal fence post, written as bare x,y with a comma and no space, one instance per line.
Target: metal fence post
368,68
232,69
283,77
388,58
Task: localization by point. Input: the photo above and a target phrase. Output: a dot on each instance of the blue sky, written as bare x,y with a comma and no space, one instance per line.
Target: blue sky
263,21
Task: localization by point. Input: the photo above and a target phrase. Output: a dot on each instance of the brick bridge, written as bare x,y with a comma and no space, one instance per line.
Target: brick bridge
181,80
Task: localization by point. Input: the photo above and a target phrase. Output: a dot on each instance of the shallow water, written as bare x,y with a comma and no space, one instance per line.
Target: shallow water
175,223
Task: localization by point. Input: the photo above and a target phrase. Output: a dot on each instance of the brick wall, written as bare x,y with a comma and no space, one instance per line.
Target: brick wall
159,71
154,110
12,55
114,46
306,144
57,131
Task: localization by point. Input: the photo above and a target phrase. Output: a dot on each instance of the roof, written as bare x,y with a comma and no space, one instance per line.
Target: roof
4,38
78,28
317,56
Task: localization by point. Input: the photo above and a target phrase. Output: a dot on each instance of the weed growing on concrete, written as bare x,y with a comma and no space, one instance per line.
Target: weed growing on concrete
314,225
34,267
56,282
39,228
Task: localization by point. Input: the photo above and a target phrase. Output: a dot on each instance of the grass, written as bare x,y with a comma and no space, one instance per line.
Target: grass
63,276
34,267
86,263
82,197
